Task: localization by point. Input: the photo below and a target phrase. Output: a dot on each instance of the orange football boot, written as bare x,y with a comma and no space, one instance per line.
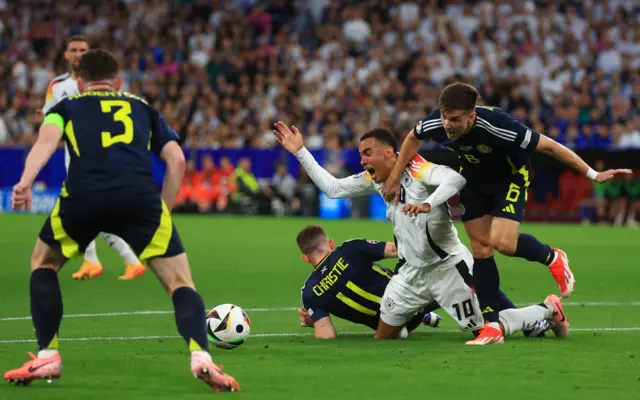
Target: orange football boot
38,368
488,335
133,271
88,270
203,368
560,323
562,273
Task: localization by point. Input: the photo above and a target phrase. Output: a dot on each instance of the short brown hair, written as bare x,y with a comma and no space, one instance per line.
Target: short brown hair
310,238
98,65
77,38
458,96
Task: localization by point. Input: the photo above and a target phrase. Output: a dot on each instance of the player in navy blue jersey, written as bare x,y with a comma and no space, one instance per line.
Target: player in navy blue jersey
109,188
495,154
346,282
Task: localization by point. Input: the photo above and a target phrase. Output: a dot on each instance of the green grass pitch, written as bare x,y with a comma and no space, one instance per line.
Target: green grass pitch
120,341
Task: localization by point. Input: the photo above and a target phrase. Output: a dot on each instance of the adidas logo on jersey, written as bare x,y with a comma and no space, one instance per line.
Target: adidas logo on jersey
471,325
509,209
487,309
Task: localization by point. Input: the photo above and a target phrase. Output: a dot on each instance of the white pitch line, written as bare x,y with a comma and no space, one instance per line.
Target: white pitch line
291,334
274,309
123,314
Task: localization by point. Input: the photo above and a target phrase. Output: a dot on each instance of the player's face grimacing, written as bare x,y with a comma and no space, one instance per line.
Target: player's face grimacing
74,52
457,122
376,158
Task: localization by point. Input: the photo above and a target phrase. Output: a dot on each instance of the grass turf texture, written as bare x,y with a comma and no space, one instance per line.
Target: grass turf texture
254,263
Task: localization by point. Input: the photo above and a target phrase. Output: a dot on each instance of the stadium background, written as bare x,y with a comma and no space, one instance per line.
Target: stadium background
223,71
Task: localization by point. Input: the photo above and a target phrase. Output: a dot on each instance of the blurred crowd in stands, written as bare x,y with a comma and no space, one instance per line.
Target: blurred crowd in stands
222,71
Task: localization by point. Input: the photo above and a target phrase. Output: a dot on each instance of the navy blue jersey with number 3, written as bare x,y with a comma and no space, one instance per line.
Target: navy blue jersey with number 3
110,136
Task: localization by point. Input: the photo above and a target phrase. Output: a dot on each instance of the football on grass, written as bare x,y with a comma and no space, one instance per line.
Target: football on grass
228,326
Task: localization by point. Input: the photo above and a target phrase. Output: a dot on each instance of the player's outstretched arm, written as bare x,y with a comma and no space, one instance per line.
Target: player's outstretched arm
48,138
353,186
174,157
408,150
324,329
571,159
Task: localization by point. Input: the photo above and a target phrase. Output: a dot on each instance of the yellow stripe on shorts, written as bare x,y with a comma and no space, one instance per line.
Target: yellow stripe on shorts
68,246
160,240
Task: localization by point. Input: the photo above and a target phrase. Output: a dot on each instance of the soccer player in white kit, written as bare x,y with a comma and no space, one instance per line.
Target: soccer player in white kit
61,87
437,265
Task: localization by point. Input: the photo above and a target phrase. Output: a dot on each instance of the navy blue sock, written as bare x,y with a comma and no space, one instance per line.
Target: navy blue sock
532,249
504,302
46,307
431,306
191,318
487,279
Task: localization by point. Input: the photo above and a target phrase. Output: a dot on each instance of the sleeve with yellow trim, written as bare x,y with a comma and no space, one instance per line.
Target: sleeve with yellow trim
370,250
161,132
447,181
352,186
58,115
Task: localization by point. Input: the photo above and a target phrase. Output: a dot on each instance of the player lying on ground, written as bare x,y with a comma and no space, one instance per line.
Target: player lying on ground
436,264
61,87
495,152
109,188
348,284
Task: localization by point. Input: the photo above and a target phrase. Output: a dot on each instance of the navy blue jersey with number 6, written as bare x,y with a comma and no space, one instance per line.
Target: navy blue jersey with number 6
110,136
496,148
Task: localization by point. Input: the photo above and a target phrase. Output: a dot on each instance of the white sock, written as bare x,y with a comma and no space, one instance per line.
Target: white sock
46,353
404,333
494,325
90,254
122,248
519,319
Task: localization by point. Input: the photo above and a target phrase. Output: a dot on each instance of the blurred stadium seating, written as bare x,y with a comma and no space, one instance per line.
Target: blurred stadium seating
222,71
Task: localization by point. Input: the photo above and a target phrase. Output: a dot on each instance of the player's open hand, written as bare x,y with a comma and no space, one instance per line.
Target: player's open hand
21,196
611,173
290,139
305,318
391,190
413,210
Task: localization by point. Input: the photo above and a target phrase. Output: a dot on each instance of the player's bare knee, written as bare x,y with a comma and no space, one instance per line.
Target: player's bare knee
504,244
480,250
481,247
45,257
